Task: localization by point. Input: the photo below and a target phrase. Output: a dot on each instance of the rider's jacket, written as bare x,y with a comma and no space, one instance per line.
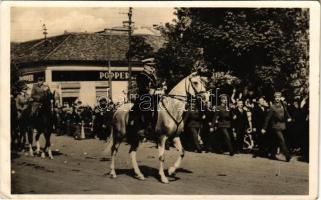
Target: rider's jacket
38,92
146,80
22,101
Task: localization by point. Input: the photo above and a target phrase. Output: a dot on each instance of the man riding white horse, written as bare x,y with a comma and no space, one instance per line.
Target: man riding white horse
141,115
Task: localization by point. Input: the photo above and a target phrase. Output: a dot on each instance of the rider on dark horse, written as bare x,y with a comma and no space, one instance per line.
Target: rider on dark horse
141,115
38,93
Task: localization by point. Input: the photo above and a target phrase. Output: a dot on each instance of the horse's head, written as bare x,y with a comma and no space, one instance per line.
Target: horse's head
192,86
196,85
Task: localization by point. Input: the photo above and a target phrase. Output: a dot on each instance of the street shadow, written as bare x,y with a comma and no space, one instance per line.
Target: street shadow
56,153
149,172
104,159
182,170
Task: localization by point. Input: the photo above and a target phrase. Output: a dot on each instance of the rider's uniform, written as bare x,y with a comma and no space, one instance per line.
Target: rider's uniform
22,100
37,94
141,115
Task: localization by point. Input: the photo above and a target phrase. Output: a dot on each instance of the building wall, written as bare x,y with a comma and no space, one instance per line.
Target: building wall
83,83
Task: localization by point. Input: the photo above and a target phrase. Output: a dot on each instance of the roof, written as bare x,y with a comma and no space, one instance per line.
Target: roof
87,47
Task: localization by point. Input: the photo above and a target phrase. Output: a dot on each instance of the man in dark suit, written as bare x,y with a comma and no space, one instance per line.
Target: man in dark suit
259,115
278,116
240,124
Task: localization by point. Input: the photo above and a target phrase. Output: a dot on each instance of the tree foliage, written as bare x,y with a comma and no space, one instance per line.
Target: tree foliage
266,48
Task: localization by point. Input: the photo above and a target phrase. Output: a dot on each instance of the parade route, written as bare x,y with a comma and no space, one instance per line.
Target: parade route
80,167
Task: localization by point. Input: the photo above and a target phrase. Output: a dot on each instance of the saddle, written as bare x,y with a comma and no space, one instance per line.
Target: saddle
142,119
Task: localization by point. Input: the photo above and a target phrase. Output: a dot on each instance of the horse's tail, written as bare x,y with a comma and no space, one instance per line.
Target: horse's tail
110,141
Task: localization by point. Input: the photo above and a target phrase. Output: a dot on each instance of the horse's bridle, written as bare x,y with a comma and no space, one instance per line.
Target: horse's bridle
187,85
193,87
183,99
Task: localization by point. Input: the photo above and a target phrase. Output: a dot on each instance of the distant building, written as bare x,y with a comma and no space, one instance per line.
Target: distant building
75,65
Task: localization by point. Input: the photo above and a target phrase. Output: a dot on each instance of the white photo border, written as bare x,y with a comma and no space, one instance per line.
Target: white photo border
314,44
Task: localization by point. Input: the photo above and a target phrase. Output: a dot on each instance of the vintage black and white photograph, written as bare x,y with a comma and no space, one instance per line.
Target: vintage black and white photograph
168,100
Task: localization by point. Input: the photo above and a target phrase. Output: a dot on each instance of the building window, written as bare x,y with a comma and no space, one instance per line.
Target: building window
102,91
69,93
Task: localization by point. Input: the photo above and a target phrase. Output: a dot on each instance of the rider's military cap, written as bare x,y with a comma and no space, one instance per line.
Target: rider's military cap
149,62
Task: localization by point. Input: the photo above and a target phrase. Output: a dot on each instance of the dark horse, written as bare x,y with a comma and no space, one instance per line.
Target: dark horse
41,122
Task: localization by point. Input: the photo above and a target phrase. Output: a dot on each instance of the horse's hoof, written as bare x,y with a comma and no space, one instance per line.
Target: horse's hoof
140,177
164,180
113,176
51,157
43,155
171,171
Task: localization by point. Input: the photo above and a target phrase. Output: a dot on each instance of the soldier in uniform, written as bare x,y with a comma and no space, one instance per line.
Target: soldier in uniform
223,119
102,119
140,117
38,91
277,116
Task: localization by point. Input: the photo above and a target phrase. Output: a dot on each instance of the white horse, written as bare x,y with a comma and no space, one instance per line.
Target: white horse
169,123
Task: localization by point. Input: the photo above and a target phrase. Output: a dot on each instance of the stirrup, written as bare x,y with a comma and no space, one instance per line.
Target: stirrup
132,122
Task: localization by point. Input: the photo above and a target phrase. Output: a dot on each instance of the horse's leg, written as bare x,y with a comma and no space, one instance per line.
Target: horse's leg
179,147
22,138
48,144
38,142
132,152
161,151
116,143
30,140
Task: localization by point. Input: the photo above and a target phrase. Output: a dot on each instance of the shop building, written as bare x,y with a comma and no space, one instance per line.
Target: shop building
77,66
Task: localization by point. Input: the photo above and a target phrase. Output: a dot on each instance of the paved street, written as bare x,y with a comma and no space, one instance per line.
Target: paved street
80,167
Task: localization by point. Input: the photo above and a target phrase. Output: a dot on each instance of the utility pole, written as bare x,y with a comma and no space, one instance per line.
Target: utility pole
128,24
45,33
108,53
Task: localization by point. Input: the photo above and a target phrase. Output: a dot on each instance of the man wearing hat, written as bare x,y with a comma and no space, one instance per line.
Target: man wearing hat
277,116
141,113
38,92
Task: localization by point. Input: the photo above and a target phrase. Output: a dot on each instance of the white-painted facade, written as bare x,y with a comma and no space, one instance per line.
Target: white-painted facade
84,82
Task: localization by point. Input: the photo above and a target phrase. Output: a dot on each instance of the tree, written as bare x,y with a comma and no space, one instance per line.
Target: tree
140,49
263,47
